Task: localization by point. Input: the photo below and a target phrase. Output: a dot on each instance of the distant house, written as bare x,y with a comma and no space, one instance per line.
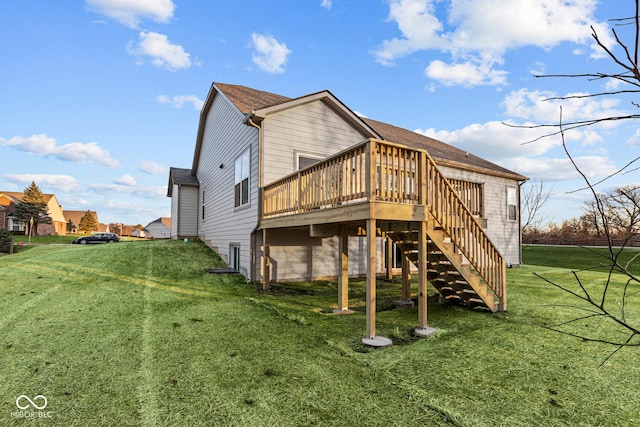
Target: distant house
75,217
10,199
138,232
158,229
127,230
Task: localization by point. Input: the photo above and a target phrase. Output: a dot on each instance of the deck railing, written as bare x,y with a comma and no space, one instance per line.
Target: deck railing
381,171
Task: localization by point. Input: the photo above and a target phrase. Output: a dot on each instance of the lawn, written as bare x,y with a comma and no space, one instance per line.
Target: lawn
137,333
579,258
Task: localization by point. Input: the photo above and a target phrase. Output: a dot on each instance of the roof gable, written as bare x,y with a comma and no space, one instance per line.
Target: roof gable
161,221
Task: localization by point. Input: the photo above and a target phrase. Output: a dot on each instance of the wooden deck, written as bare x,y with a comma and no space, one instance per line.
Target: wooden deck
381,188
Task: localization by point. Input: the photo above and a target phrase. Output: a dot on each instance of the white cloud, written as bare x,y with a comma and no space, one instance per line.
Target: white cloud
465,74
178,101
130,12
326,4
146,192
162,52
496,141
537,106
77,152
529,150
125,179
477,40
560,169
270,55
152,168
61,183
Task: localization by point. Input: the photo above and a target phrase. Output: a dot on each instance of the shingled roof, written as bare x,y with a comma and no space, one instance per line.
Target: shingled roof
247,99
180,176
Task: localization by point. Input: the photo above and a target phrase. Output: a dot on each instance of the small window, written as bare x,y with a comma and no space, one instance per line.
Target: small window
512,204
306,161
202,204
234,256
242,166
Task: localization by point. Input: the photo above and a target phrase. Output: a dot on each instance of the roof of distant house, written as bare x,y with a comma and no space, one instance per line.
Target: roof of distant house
76,216
164,221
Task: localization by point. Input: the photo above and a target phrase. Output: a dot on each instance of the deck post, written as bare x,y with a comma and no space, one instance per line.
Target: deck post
423,330
406,278
343,268
371,339
266,262
388,262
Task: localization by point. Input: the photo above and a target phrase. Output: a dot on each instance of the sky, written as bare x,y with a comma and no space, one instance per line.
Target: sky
100,97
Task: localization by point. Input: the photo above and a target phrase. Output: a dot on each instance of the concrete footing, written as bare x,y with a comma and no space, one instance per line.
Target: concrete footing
425,332
377,341
338,311
405,303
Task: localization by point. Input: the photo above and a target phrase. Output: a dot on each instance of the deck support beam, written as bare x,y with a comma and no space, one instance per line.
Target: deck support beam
423,330
343,271
371,339
406,278
388,262
266,262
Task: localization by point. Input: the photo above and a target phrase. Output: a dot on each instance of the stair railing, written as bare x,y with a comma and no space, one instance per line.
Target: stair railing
465,231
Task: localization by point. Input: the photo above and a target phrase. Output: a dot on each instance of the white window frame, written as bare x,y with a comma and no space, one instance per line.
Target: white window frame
306,155
242,174
234,256
203,204
512,204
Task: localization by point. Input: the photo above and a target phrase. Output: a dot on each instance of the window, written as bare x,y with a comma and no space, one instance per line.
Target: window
306,161
242,166
234,256
512,204
202,204
472,194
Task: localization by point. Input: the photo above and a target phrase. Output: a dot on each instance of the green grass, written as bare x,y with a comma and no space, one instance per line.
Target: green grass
578,258
138,334
45,240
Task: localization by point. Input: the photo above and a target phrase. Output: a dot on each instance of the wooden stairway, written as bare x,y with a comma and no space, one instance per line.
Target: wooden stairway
448,270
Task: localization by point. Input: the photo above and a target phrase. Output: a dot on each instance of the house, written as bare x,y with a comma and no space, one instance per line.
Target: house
76,216
158,229
288,189
10,199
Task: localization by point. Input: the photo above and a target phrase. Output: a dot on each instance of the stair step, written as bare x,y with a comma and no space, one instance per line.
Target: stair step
447,270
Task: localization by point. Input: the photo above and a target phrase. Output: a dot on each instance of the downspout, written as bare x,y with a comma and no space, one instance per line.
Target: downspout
248,120
520,184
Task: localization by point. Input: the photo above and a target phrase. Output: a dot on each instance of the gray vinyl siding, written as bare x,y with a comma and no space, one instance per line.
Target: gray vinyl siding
315,130
225,138
504,234
297,256
184,203
308,129
175,219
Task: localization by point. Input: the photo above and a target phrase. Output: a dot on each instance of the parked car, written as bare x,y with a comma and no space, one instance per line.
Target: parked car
98,238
